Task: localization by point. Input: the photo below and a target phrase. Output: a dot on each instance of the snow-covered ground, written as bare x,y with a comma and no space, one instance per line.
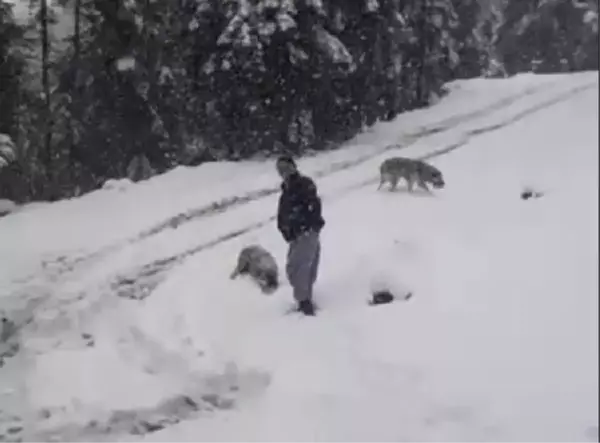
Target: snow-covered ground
131,325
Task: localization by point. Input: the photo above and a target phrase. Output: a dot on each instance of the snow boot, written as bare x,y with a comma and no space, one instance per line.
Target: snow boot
306,307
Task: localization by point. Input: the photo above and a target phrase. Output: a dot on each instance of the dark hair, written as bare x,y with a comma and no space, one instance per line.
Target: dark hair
286,159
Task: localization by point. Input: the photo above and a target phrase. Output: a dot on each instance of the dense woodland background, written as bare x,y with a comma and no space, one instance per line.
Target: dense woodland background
188,81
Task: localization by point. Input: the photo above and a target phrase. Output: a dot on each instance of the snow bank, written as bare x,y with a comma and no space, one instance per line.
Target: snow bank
120,185
6,207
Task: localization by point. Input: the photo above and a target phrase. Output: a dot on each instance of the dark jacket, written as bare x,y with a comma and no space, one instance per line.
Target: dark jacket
299,208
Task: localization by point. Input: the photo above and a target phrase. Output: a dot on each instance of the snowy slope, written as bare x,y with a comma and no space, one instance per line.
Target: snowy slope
498,343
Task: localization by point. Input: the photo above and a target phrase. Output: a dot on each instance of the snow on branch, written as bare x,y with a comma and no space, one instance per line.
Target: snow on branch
335,50
126,63
7,151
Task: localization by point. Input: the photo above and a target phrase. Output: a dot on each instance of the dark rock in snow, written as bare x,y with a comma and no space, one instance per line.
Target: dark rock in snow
88,339
383,297
530,193
15,429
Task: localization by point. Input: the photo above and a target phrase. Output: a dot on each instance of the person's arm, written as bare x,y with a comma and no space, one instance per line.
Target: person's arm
310,196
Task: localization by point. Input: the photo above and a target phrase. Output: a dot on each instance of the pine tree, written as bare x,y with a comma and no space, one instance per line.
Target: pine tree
193,80
275,57
103,77
468,43
548,35
14,98
487,33
12,67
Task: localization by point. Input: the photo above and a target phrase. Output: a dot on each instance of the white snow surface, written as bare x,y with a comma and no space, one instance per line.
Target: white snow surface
498,343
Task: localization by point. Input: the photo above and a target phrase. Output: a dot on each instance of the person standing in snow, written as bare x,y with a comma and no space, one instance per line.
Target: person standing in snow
300,222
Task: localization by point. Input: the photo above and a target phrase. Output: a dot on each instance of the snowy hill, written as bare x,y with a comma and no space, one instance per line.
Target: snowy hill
122,324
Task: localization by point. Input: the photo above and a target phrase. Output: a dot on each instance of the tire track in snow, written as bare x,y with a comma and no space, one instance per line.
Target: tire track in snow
61,265
138,286
140,283
213,393
218,207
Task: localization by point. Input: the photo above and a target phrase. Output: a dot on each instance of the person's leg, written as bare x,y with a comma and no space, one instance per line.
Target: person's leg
298,269
300,266
314,267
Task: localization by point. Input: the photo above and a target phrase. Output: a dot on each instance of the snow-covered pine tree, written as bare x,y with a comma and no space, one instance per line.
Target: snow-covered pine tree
517,40
12,66
430,52
275,57
468,44
549,35
239,77
565,29
586,57
115,116
20,118
488,25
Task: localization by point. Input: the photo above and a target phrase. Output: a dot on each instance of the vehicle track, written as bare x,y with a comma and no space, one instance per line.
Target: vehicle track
141,281
218,207
56,267
139,284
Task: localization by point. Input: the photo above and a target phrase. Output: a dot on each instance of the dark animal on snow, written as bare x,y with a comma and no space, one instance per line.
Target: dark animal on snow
413,171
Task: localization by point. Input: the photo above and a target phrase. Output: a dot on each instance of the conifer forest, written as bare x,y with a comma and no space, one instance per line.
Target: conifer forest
89,86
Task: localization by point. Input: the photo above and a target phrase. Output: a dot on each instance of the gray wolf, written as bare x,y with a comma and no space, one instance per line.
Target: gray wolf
413,171
300,222
260,265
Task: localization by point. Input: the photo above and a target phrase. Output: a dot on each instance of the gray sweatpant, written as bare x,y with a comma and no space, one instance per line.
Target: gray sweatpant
303,264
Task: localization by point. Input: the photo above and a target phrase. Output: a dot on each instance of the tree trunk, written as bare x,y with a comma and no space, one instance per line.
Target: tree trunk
47,153
73,172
